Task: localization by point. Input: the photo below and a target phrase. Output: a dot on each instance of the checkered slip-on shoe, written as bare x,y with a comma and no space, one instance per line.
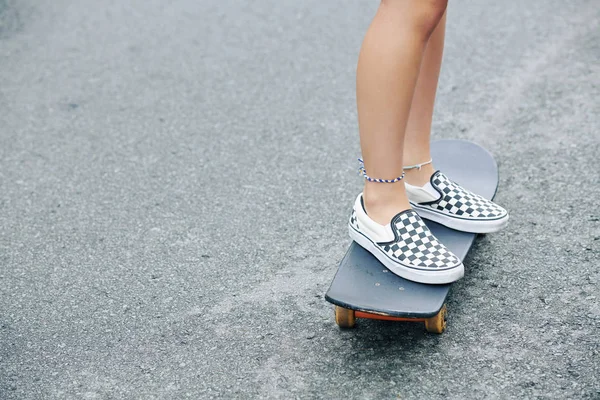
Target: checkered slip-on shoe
405,246
451,205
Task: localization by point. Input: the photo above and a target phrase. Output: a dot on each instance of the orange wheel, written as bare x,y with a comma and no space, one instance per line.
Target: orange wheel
344,317
437,323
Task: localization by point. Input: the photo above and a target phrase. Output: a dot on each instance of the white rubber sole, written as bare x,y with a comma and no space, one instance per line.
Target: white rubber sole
465,225
433,277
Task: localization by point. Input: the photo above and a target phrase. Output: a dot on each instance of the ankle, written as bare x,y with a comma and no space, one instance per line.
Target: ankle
383,201
419,176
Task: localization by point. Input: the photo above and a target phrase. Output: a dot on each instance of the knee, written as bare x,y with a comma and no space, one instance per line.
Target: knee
421,15
430,14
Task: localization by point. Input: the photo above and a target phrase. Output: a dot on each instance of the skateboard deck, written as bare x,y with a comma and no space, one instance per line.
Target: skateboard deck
365,288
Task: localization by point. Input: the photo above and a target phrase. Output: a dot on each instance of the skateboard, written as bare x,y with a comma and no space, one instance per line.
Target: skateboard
365,288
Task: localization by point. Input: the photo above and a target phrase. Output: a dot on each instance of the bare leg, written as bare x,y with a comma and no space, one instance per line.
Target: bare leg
387,72
418,129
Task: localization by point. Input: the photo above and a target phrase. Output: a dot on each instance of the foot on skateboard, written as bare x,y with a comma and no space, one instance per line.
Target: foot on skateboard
447,203
405,246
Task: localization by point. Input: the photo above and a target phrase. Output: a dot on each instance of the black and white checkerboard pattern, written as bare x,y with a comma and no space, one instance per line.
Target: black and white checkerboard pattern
354,220
458,201
416,245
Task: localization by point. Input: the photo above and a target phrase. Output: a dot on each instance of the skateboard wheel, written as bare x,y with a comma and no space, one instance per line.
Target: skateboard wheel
344,317
437,323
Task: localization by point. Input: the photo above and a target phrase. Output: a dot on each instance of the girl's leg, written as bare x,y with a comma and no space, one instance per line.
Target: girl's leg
387,72
418,129
474,214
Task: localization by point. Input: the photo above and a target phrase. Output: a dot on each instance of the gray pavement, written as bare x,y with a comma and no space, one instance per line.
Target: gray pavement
175,179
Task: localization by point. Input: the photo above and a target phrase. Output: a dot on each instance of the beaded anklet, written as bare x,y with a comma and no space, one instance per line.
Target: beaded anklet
362,171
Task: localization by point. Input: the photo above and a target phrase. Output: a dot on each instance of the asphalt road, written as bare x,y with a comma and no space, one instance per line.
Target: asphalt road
176,178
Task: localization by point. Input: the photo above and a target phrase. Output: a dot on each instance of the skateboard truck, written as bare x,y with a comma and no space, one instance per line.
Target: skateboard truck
346,318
